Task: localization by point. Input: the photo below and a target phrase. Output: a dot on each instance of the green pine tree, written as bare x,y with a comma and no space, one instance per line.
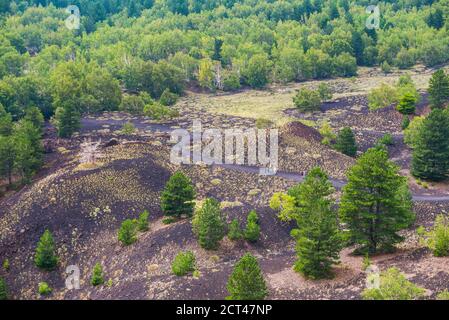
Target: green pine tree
97,275
127,233
407,104
439,89
45,257
431,148
346,143
142,221
67,120
318,238
3,289
209,225
376,202
6,123
246,281
178,195
252,230
235,232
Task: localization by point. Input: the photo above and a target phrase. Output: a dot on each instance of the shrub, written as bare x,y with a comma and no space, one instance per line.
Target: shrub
444,295
246,281
235,232
307,100
97,275
6,265
44,289
385,67
157,111
128,128
208,225
178,195
231,81
437,239
142,222
168,98
325,91
252,230
346,143
45,257
386,140
262,123
183,263
127,233
393,286
382,97
405,122
134,104
327,133
412,132
3,289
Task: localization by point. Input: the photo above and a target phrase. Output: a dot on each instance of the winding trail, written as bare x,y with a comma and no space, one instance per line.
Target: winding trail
89,124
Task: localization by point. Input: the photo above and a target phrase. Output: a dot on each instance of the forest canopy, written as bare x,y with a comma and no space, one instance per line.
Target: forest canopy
153,46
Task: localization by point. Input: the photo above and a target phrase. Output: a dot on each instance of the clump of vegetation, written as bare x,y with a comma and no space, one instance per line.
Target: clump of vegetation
235,232
405,122
444,295
376,203
142,221
127,233
183,263
327,133
128,128
45,257
437,239
324,91
385,67
168,98
157,111
6,265
4,295
208,224
97,275
246,281
346,142
366,262
44,289
252,230
178,195
382,97
386,140
307,100
393,286
262,123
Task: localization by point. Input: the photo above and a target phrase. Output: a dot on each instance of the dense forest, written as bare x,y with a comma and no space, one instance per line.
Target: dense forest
138,56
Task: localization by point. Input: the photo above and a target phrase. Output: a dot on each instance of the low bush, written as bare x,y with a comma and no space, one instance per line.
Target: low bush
183,263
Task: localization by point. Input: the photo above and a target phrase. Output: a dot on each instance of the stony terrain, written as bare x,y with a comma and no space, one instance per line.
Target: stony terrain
83,206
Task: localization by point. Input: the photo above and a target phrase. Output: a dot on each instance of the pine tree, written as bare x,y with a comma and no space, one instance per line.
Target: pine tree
3,289
209,225
235,232
246,281
67,120
318,238
34,115
5,122
127,233
142,222
407,104
7,157
97,275
346,143
45,257
376,202
439,89
431,148
252,230
178,195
